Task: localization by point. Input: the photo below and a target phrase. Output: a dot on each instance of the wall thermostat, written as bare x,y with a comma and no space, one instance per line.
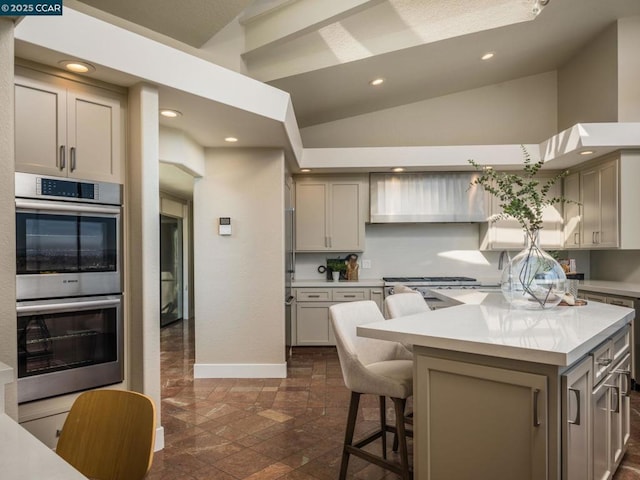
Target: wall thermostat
224,226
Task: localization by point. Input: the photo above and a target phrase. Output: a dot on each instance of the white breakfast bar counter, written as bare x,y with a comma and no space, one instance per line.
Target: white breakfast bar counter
516,394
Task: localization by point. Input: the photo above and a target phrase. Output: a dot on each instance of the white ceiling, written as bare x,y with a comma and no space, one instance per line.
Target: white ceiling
329,81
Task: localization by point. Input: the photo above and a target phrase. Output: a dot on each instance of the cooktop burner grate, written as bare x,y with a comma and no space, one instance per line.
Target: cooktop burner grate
428,279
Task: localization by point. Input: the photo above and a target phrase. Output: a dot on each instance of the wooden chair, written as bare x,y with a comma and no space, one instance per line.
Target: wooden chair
109,435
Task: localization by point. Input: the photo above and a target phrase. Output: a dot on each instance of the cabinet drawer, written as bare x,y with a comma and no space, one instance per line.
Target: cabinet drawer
622,302
621,344
594,297
313,295
348,294
46,429
602,361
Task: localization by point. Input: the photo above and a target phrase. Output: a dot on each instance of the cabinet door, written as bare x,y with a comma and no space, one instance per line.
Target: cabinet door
576,422
345,232
93,137
311,216
601,408
572,211
312,324
479,422
40,127
377,295
608,232
590,200
620,410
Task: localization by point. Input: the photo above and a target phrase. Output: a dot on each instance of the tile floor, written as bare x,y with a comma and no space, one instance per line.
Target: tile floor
267,429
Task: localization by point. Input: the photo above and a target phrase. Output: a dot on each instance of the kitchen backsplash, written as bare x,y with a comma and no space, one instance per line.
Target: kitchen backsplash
420,250
616,265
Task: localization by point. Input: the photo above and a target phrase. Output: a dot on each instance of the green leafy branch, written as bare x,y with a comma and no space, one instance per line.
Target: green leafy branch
521,196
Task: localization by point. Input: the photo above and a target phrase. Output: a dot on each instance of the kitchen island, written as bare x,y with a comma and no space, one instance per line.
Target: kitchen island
514,394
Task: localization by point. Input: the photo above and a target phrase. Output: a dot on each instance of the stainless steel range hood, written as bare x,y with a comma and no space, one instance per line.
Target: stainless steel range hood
435,197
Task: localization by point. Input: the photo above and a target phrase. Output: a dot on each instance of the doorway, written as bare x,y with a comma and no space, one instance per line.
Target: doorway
171,270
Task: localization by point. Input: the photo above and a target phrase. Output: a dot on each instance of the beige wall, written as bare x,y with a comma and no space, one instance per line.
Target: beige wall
239,279
629,69
616,265
8,347
588,83
519,111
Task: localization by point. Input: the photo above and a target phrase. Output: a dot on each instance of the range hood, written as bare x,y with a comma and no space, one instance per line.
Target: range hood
435,197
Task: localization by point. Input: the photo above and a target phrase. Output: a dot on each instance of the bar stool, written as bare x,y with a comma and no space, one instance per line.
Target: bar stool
401,304
375,367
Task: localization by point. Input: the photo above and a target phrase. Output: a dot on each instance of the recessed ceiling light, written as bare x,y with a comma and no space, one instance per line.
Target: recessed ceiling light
377,81
169,113
586,152
231,139
487,55
398,169
305,170
76,66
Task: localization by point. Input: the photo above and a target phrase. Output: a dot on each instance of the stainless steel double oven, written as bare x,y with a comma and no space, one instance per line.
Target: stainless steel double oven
68,285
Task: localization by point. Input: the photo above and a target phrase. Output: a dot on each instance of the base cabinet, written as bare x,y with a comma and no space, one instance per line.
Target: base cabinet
479,422
311,325
577,426
492,418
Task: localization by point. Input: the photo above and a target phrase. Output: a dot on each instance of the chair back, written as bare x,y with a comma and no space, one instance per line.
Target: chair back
401,304
109,435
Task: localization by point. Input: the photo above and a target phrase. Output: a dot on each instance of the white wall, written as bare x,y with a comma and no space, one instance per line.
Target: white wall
629,70
8,326
616,265
588,83
239,279
519,111
179,149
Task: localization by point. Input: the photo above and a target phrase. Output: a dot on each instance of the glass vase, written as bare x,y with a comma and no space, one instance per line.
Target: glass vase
533,279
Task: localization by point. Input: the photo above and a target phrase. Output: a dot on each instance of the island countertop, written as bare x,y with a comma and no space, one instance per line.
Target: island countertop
485,324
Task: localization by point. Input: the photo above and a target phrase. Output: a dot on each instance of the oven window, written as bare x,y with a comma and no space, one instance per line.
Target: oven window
53,342
48,243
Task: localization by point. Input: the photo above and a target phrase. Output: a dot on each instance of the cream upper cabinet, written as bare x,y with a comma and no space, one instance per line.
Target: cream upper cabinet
507,234
572,211
599,199
330,214
68,129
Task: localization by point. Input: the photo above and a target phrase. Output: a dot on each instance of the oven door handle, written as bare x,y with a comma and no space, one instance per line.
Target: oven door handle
67,306
66,207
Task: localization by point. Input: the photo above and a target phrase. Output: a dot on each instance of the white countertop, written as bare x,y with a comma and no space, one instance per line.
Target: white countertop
363,283
625,289
23,456
486,325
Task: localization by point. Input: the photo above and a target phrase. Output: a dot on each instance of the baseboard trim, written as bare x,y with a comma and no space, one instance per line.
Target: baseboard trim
240,370
159,445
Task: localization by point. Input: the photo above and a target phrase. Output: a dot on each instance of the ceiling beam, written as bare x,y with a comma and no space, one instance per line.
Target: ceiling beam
281,25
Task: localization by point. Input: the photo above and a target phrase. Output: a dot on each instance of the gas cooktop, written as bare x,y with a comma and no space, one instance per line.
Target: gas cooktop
431,280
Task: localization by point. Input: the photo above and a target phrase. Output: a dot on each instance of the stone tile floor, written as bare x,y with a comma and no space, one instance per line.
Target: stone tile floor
267,429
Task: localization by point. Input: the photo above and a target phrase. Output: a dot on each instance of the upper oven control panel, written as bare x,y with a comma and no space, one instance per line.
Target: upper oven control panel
41,187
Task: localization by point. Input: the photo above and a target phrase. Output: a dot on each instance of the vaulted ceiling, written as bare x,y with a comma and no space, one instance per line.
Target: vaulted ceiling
324,52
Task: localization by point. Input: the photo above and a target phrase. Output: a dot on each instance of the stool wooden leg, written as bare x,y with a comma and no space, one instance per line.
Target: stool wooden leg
399,404
383,425
348,437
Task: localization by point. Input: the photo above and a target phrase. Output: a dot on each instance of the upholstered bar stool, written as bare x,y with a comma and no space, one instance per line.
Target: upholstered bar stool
375,367
401,304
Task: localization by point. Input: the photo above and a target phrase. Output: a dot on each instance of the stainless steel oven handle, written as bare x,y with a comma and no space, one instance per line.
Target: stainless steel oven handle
67,306
65,207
